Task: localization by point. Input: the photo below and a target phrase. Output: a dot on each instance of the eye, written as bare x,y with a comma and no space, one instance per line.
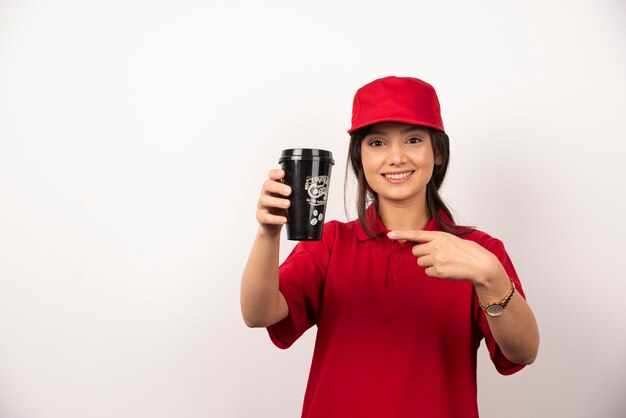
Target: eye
413,140
376,143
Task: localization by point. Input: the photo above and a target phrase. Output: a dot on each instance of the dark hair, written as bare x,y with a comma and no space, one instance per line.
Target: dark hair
434,203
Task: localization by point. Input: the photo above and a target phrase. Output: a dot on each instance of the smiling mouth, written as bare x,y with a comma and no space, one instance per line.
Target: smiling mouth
398,176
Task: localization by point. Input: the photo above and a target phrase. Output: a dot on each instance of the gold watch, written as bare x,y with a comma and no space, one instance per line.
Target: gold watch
496,308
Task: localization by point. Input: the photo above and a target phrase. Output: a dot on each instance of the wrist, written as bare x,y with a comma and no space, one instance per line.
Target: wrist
269,233
496,308
490,273
494,289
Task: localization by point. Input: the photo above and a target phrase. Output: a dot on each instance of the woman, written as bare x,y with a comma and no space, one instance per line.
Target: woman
401,297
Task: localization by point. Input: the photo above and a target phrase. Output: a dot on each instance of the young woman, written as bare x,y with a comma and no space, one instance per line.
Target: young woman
402,296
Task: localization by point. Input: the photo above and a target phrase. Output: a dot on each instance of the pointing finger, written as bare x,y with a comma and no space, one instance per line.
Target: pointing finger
413,235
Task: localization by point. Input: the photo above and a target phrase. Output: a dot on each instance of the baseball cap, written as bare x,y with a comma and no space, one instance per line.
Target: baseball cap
396,99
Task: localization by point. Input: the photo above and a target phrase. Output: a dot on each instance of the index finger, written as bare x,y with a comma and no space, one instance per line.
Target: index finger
276,174
413,235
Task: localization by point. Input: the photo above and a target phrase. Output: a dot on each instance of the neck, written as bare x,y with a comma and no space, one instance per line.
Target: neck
403,215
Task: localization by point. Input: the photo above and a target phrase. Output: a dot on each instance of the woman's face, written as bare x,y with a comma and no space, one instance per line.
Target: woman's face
398,162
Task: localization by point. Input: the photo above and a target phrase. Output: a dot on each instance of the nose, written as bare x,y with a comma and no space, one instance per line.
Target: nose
396,155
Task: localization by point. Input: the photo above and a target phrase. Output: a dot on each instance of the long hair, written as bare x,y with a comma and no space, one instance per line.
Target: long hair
434,203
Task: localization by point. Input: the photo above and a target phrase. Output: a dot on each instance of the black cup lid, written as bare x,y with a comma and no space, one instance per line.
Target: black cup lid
306,154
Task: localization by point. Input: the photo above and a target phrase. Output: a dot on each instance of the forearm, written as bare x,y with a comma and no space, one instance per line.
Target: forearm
262,304
515,330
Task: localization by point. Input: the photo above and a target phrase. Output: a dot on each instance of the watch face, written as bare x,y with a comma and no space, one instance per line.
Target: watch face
495,309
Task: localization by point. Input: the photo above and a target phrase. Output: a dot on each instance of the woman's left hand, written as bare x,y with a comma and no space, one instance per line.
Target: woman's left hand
445,255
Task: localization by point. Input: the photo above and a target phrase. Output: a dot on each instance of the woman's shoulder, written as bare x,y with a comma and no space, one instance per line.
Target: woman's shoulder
337,225
481,237
487,241
334,233
333,230
336,229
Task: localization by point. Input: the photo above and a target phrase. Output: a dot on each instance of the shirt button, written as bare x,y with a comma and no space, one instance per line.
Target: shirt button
395,278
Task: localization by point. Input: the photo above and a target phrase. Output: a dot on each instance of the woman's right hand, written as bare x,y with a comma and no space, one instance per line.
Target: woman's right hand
262,304
271,207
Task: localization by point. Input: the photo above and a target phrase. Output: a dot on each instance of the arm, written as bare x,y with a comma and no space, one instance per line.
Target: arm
515,330
446,256
262,304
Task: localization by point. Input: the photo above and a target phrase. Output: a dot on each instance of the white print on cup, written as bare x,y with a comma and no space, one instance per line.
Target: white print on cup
316,217
318,190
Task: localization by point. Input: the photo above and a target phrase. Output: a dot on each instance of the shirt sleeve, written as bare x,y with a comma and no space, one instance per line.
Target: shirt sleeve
503,365
301,280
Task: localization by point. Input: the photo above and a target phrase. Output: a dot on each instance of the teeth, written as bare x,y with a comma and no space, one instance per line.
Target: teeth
398,176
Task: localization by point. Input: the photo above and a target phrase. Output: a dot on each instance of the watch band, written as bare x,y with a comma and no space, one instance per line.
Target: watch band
496,308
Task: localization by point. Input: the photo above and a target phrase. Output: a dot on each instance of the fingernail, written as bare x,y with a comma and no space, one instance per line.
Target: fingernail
391,234
286,190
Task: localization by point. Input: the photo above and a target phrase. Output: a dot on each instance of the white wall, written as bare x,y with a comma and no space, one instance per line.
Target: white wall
134,138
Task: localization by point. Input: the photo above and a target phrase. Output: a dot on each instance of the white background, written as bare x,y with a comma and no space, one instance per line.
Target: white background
134,138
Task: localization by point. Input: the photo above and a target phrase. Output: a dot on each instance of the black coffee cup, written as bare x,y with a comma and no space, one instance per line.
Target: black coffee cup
307,172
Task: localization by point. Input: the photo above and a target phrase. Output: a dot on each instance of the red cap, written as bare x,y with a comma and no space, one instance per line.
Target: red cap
396,99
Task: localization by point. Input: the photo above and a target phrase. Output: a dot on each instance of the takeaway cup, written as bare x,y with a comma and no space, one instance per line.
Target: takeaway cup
307,172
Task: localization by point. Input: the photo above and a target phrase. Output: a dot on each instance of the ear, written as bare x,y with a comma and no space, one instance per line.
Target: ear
438,159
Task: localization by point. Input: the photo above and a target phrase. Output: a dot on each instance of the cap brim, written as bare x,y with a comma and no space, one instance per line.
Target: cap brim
399,120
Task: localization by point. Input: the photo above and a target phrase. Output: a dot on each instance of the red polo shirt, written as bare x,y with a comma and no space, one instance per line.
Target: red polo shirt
391,341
